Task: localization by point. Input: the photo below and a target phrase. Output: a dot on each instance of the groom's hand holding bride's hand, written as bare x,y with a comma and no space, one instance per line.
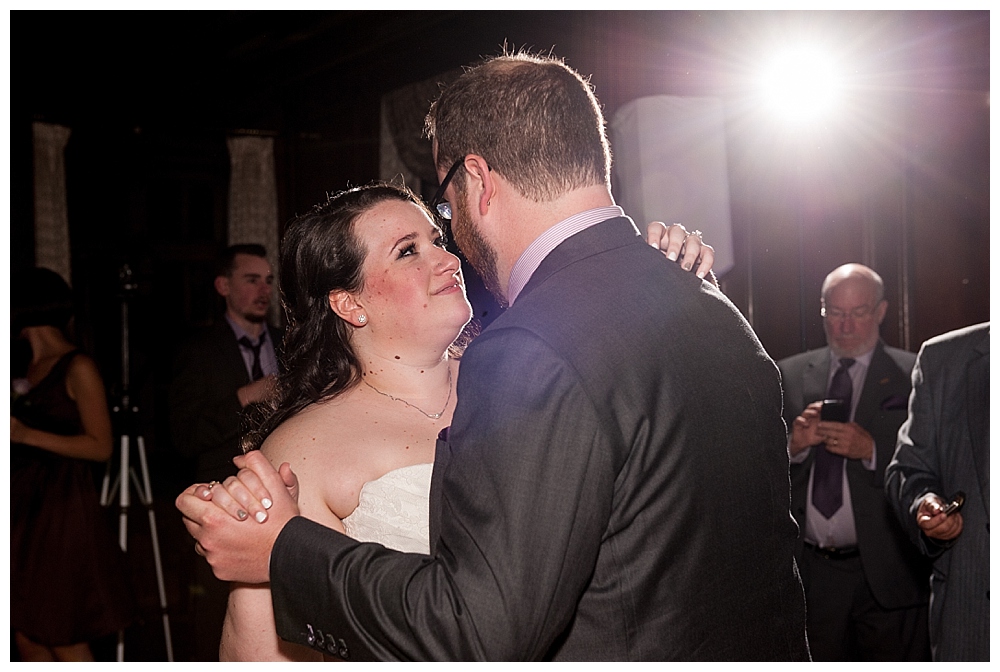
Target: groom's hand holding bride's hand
235,523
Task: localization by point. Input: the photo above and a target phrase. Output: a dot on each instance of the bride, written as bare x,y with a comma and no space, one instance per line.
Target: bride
375,305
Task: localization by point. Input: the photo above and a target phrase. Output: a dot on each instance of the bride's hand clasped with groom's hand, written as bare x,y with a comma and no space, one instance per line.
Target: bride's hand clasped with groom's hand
235,523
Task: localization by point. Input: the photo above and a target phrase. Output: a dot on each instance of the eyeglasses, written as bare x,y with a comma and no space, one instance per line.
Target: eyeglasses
859,313
438,204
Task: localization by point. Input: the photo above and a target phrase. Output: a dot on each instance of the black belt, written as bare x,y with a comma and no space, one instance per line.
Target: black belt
834,553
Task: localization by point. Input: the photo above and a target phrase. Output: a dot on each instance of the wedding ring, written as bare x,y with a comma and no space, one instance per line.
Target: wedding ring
212,484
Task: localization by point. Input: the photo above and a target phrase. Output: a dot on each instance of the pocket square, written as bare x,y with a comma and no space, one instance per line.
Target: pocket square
894,403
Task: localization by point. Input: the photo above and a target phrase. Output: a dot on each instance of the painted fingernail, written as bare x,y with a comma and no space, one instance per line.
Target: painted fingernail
266,502
700,274
687,267
241,514
261,516
672,256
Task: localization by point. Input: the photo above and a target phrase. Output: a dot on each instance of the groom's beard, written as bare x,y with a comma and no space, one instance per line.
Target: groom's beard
475,248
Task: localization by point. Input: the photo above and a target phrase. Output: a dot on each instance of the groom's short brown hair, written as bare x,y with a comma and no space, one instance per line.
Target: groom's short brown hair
534,119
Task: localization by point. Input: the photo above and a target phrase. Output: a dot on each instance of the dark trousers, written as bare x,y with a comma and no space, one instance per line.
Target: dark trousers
846,623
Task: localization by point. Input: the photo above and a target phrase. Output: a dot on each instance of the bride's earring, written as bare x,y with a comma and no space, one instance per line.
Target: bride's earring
362,318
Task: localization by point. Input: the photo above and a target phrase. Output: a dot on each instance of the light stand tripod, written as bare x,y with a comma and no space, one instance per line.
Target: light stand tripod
127,416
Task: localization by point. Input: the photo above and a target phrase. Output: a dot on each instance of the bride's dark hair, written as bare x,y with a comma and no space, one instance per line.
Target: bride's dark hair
320,253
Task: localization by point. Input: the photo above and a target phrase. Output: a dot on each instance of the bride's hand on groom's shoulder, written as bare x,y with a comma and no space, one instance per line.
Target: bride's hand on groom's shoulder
684,247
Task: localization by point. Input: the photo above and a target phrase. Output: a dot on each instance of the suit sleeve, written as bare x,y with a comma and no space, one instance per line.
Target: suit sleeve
915,468
526,499
204,414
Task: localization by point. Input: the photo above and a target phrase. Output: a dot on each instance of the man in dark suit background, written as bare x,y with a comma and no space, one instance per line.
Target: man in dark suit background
944,448
217,379
614,485
214,377
866,588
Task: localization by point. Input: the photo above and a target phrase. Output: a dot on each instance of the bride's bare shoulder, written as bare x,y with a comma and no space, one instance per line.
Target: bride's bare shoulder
309,432
323,452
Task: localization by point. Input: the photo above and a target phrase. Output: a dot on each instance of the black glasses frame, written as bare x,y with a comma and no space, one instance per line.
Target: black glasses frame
438,204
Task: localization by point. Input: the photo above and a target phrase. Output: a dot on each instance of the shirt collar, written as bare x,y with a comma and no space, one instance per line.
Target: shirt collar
241,332
550,239
864,359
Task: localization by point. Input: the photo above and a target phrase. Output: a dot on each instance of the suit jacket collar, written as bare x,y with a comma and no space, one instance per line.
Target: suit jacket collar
609,234
814,379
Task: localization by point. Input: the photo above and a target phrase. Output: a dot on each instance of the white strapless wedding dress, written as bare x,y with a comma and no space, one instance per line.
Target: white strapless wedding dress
394,510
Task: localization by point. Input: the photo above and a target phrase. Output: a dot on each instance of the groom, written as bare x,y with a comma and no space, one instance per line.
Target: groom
614,485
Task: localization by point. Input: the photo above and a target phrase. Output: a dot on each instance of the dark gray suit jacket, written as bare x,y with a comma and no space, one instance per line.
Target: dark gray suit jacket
206,419
943,448
614,487
896,574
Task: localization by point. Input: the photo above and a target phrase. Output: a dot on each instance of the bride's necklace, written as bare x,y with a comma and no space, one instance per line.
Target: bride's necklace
432,416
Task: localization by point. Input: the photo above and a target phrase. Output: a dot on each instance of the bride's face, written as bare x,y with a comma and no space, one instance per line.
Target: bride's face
413,287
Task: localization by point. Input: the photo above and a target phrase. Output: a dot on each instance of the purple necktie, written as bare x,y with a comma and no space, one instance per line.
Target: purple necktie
256,371
828,468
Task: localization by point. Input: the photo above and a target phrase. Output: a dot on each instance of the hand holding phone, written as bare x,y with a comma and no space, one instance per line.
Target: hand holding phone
955,504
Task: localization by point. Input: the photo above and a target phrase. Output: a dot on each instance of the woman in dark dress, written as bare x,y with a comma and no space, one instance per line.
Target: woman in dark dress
68,581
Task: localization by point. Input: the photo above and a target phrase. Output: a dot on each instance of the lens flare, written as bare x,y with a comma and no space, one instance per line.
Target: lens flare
800,84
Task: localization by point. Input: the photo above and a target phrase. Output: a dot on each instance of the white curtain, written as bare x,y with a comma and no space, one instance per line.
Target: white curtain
52,248
253,199
670,165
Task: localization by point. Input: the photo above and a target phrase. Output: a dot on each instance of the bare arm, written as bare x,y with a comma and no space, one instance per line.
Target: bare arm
85,387
248,632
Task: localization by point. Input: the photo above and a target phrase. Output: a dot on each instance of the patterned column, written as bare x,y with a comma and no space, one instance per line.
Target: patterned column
253,199
51,220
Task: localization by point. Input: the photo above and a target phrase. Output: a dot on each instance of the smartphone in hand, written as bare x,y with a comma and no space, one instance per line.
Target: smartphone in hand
955,504
834,410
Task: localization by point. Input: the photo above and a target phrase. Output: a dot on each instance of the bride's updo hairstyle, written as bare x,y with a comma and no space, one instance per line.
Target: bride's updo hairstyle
320,253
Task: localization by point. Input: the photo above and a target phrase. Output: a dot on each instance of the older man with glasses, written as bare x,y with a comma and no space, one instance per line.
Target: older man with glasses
866,584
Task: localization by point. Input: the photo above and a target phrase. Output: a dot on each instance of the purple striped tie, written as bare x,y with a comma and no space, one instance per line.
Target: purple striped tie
828,468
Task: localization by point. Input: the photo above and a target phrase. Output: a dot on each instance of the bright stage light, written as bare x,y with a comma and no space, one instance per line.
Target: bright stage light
800,84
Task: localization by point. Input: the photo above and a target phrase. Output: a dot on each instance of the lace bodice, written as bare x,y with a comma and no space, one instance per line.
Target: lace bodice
393,510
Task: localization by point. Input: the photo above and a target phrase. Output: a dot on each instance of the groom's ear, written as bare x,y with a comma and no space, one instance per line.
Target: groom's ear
479,181
347,307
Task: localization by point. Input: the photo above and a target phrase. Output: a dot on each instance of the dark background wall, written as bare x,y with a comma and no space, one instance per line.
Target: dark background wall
899,180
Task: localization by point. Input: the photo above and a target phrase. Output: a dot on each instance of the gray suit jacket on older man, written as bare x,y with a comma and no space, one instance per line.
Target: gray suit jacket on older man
943,448
614,487
895,571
